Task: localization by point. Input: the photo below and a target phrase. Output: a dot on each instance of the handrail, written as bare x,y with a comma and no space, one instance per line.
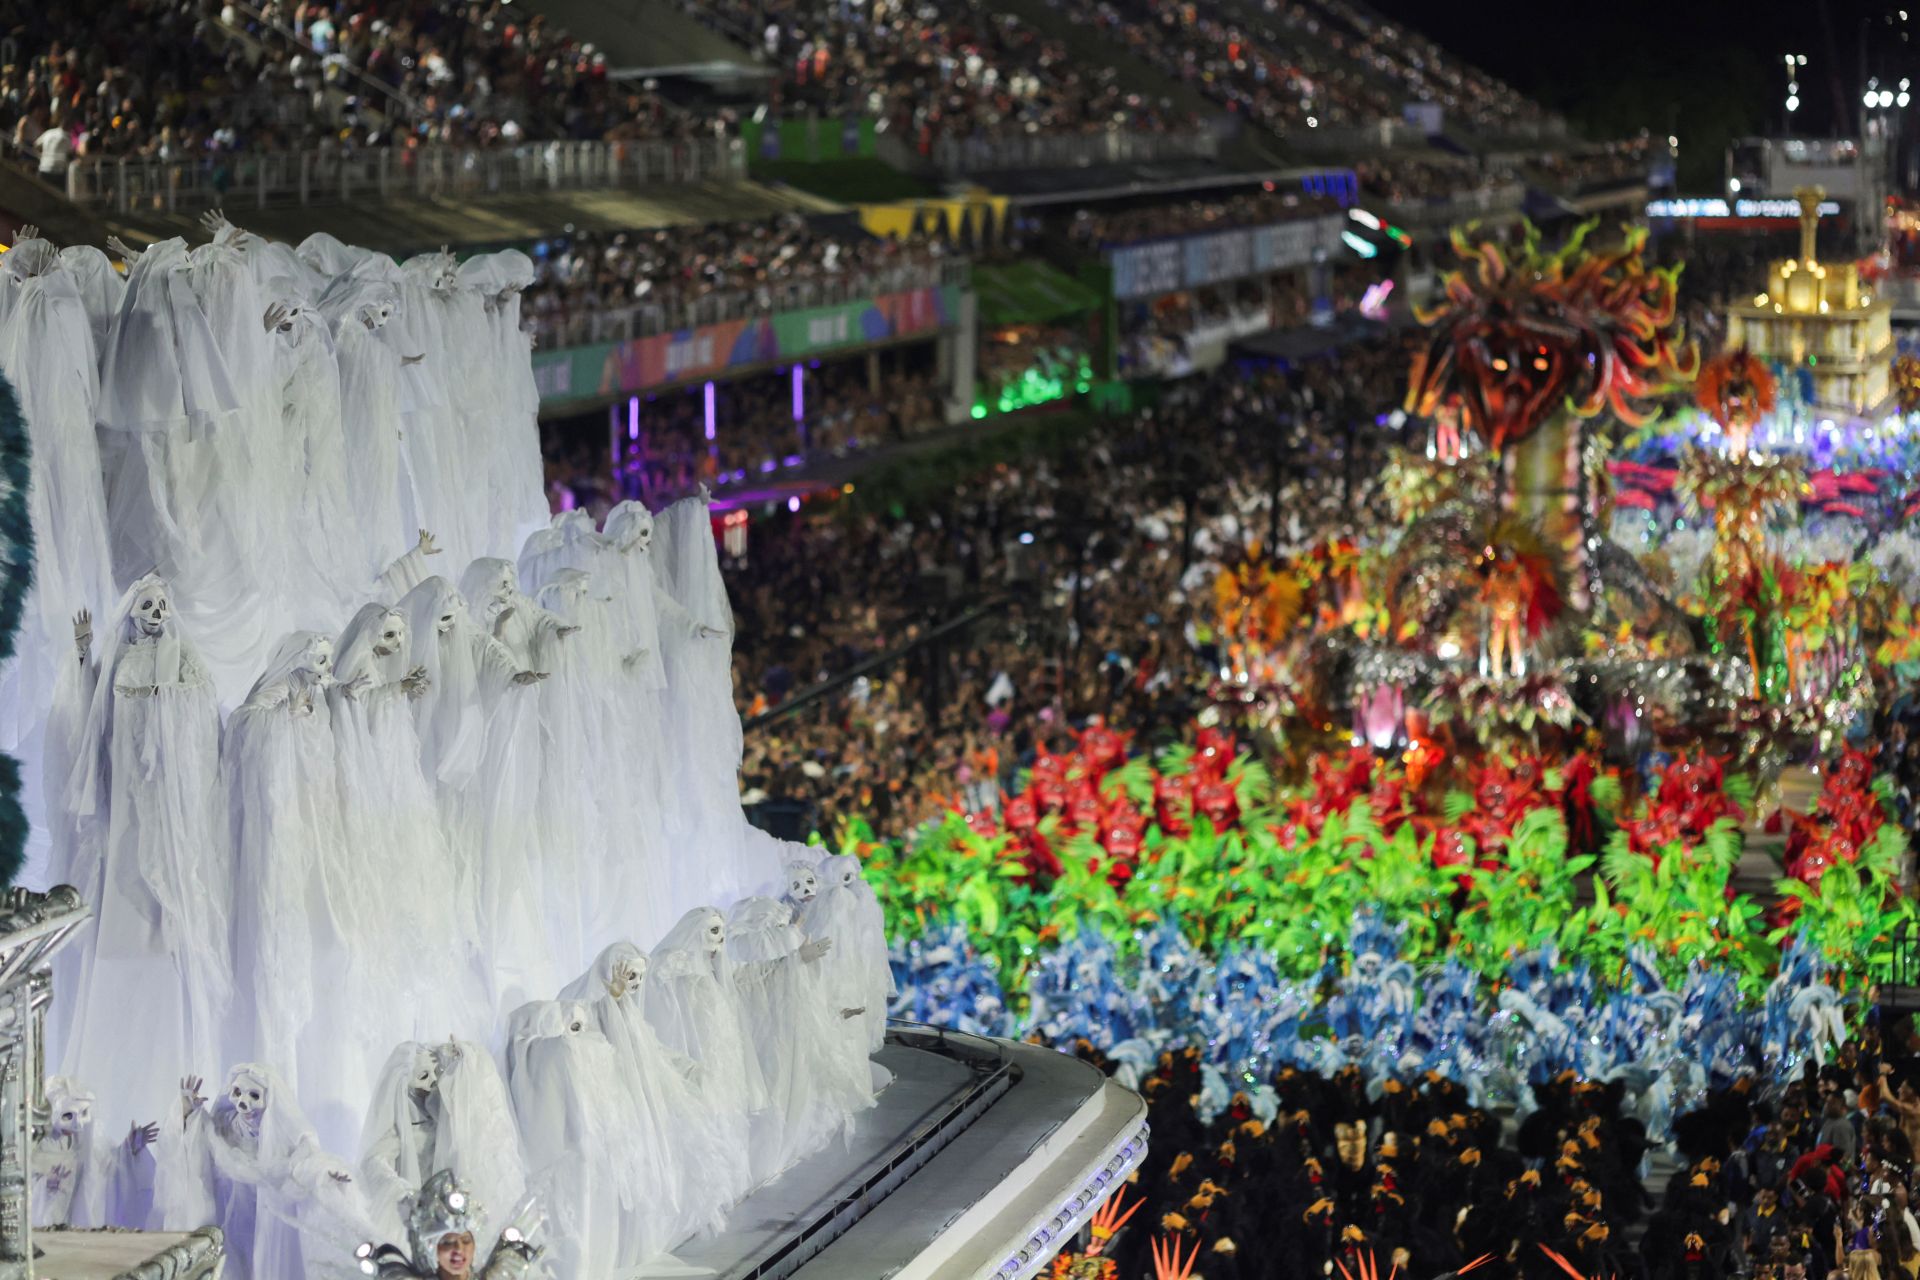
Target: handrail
645,319
330,175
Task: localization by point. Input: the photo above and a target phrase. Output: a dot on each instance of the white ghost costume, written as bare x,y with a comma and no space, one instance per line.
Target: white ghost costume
290,849
814,1087
370,377
438,1107
177,465
251,1164
148,848
514,467
586,1157
704,782
408,963
698,1173
695,1009
329,553
101,288
856,971
81,1176
47,353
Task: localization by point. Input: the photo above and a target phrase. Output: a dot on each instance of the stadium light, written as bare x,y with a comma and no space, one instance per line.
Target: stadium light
1364,248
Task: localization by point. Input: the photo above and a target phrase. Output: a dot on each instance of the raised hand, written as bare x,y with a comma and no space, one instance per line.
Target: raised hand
413,359
190,1096
811,951
28,232
279,317
529,677
141,1136
416,682
426,546
567,630
127,253
214,221
358,685
83,633
340,1176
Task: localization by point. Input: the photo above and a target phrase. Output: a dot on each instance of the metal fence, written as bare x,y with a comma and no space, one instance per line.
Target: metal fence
641,320
341,175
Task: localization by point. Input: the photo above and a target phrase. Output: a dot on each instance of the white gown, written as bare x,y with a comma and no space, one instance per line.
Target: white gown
694,1007
813,1086
370,415
286,1206
439,1107
147,847
290,847
857,970
81,1177
692,1176
47,353
585,1152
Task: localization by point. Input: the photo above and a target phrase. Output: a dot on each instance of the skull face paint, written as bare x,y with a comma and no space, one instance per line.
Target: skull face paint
716,934
319,657
73,1117
627,976
248,1096
426,1073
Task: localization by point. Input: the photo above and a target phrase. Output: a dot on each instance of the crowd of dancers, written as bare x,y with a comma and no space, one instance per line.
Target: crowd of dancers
331,807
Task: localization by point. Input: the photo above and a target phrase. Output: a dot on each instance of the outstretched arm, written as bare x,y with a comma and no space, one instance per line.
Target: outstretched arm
411,569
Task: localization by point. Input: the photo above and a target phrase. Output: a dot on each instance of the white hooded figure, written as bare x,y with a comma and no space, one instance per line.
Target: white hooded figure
446,468
359,312
101,288
290,853
177,462
407,933
514,471
813,1085
698,1174
144,838
438,1107
695,1009
81,1176
251,1164
568,542
47,353
856,971
621,859
586,1150
329,555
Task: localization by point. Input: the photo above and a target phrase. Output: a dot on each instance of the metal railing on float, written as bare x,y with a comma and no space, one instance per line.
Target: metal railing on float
337,175
644,319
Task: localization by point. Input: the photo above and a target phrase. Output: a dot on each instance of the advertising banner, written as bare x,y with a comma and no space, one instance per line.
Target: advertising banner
606,369
1145,270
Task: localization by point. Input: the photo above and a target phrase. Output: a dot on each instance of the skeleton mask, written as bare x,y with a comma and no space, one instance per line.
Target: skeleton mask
444,623
319,660
426,1073
393,634
151,609
802,885
628,974
248,1094
72,1116
377,315
716,933
640,532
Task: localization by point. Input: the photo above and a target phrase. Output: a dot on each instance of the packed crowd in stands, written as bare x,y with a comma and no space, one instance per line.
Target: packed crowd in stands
755,434
599,286
178,79
1609,165
933,71
1411,179
1095,227
1300,66
815,596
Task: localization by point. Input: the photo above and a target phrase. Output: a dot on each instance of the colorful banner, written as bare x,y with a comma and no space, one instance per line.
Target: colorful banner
607,369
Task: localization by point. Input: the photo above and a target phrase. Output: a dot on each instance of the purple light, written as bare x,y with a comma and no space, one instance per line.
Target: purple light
792,460
766,466
633,418
793,504
710,432
799,395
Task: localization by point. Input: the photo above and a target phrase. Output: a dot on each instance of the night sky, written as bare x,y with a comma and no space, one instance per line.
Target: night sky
1705,70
